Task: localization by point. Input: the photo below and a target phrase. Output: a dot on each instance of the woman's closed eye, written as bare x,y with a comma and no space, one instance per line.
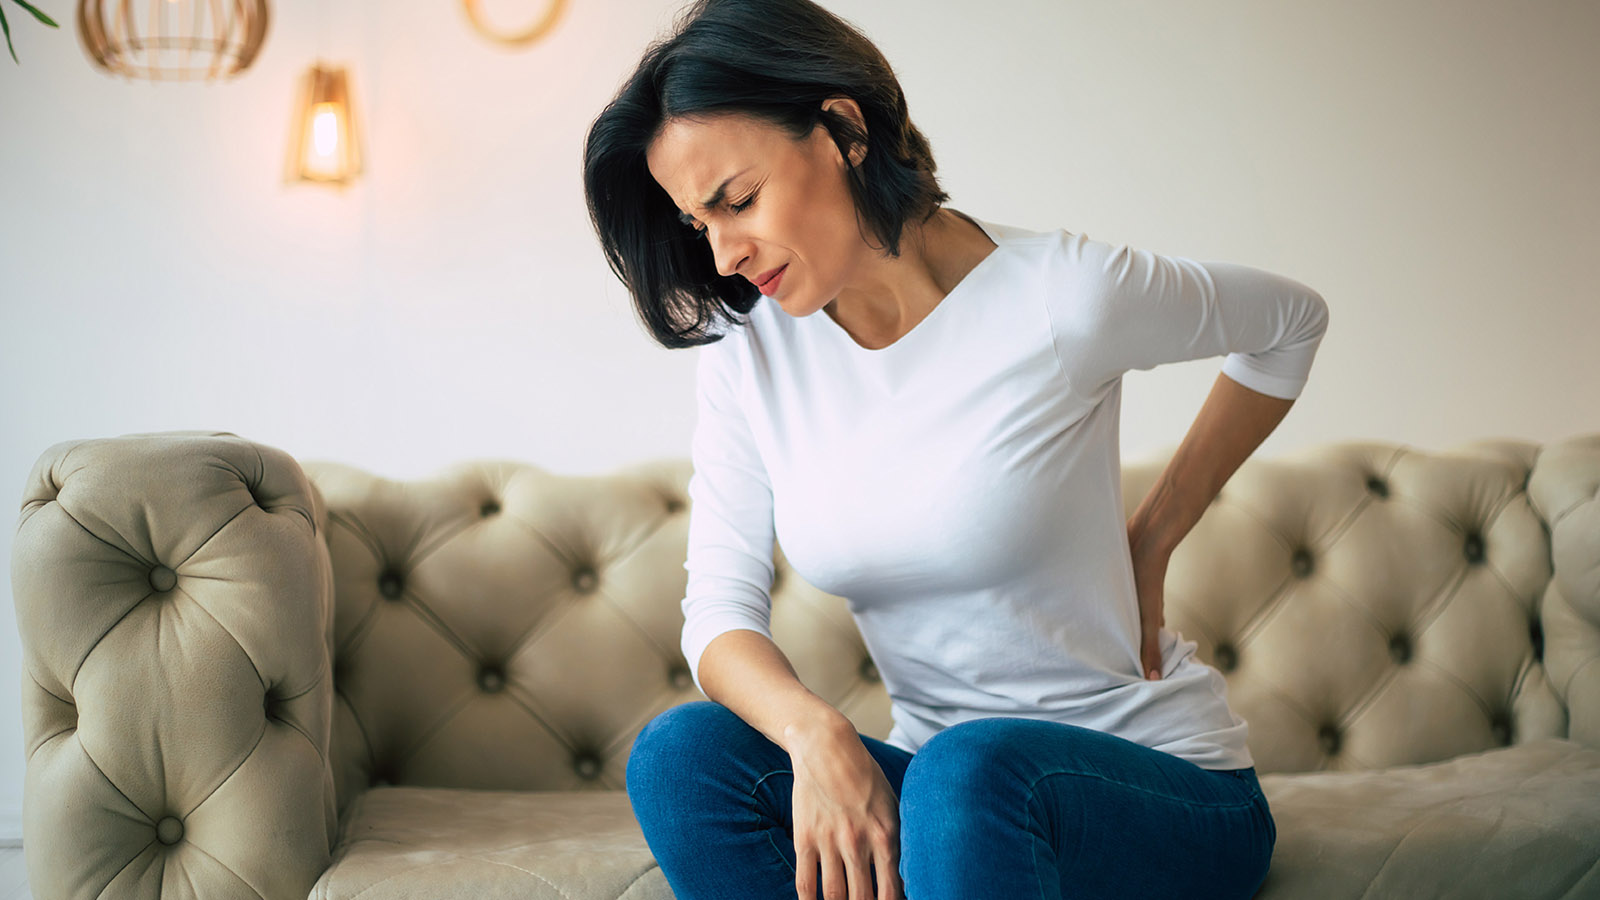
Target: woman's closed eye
737,208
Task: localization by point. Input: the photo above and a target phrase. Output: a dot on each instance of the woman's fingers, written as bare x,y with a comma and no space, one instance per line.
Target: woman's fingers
888,872
805,870
844,876
834,886
858,871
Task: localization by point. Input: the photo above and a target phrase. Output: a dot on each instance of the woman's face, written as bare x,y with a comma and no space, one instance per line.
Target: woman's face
783,204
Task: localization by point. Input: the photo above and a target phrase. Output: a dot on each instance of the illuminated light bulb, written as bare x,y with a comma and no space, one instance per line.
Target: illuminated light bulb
325,130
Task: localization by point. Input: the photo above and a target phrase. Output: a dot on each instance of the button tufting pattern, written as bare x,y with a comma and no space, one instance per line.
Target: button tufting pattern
1384,648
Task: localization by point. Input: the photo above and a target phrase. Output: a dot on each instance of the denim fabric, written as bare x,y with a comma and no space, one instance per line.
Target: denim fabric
1002,807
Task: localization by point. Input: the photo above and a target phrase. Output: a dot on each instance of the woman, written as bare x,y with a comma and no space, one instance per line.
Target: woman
922,408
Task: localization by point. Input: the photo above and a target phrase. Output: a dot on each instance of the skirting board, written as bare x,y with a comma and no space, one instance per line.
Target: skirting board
11,827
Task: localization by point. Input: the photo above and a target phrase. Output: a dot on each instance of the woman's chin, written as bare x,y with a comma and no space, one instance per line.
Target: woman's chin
787,304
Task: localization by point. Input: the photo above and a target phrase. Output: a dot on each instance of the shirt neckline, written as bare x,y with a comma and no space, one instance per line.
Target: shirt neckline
830,325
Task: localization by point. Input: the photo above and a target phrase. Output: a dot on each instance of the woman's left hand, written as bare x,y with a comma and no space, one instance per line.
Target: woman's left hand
1149,578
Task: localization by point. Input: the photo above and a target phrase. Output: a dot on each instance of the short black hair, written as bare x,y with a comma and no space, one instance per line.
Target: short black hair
775,60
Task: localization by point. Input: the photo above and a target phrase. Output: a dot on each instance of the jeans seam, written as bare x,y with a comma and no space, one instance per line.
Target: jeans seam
1028,810
1033,844
757,824
1248,801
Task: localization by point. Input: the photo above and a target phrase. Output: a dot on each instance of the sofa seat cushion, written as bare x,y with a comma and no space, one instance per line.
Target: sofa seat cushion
1518,821
417,842
1522,821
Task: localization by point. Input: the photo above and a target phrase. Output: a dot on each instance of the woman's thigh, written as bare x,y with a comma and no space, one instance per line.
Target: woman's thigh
1026,808
714,798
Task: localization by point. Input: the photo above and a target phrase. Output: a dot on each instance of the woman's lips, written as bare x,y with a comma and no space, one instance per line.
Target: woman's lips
771,285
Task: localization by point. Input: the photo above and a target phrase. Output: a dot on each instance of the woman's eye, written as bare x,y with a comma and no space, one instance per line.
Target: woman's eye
737,208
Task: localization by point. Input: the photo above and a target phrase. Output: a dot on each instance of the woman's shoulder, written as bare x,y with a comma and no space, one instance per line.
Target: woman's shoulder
1004,233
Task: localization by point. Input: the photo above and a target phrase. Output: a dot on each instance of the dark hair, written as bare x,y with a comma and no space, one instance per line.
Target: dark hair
776,60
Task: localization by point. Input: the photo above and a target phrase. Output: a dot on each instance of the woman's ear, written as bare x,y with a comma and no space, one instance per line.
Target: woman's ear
844,106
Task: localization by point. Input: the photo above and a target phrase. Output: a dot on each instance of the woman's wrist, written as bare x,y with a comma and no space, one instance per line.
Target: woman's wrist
823,724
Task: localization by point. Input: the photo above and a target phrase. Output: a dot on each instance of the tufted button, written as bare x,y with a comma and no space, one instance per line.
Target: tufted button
1536,635
390,584
382,777
267,701
1500,725
681,678
163,579
1377,486
488,508
1301,563
584,580
1328,737
587,766
491,679
1227,658
1400,648
169,830
777,578
1474,548
674,505
869,671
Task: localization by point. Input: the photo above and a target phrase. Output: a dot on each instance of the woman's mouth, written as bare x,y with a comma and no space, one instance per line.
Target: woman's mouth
770,287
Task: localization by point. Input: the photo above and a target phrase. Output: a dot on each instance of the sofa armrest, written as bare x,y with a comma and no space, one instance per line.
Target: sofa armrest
1565,490
174,598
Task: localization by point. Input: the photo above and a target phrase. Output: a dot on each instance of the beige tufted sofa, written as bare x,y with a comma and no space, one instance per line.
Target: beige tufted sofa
250,676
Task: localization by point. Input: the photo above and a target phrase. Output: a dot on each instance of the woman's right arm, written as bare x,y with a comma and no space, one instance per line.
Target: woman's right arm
846,815
746,672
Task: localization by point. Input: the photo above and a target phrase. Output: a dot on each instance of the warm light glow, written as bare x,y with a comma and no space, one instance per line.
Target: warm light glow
325,130
325,139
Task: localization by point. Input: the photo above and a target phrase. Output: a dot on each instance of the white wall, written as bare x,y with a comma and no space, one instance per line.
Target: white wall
1430,169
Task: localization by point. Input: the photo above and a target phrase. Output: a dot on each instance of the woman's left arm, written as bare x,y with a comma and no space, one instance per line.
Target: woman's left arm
1232,423
1115,307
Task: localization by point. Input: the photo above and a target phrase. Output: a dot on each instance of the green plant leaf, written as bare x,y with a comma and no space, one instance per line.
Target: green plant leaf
36,13
7,26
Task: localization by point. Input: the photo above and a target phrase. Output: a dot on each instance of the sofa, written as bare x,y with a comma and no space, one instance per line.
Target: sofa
252,676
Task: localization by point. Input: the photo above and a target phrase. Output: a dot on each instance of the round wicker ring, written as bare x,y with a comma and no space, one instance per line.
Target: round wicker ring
514,38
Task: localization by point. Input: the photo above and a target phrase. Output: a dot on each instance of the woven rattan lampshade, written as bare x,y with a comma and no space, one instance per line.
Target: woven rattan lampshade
172,40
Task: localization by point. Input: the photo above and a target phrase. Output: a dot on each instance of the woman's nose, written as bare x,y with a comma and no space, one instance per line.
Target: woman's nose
729,254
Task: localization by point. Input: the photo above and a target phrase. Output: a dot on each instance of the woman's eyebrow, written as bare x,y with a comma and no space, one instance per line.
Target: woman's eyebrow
717,196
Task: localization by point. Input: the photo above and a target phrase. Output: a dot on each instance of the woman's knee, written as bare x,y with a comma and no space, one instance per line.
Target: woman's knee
963,749
677,729
685,736
960,770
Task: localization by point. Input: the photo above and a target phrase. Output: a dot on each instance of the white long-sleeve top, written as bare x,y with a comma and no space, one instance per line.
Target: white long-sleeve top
961,487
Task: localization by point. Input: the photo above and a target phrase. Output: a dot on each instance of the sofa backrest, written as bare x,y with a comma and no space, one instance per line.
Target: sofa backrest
1369,604
500,626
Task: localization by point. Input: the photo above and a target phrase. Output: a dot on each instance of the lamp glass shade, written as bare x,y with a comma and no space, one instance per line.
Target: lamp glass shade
324,144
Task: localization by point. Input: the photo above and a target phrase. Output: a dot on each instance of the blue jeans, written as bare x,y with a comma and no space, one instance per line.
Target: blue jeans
1001,807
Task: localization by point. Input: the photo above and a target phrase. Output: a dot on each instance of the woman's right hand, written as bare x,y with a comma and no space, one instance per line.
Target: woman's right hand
846,818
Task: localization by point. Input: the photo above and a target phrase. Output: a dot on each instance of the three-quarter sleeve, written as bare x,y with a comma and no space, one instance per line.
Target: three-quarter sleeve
731,537
1114,307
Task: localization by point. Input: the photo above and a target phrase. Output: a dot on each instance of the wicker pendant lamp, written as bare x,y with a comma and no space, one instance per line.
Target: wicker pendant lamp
172,40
